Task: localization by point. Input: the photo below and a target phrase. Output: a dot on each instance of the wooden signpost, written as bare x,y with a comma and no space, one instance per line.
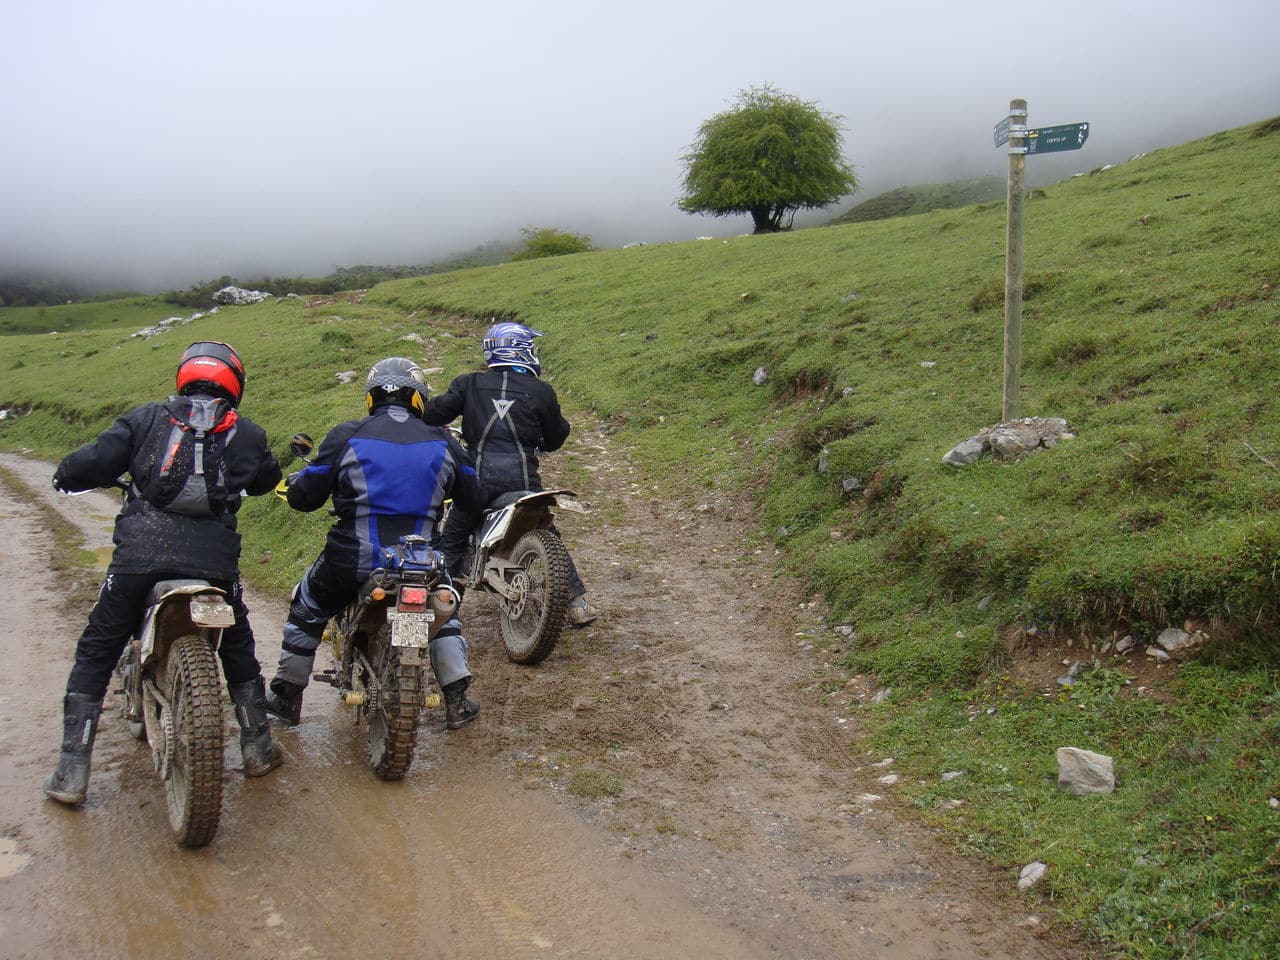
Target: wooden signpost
1022,141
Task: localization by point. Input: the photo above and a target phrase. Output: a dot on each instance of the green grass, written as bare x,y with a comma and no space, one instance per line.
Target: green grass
1150,323
87,315
594,784
1182,860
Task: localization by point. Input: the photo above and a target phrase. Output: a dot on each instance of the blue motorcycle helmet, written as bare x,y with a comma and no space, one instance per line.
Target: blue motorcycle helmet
510,344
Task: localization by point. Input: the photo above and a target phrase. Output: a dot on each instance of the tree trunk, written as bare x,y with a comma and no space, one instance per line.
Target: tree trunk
768,219
764,220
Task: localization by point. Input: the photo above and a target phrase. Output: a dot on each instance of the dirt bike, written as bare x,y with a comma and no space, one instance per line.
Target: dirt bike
515,556
380,646
173,700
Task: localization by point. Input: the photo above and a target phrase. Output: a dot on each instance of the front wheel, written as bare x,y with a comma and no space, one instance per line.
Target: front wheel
393,716
193,781
533,615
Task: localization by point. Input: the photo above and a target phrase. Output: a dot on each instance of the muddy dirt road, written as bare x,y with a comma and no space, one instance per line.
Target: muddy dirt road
669,784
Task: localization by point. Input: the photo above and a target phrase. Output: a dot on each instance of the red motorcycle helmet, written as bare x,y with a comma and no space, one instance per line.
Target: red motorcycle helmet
213,366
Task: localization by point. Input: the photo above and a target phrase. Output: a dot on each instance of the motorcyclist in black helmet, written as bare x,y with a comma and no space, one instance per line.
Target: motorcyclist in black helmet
388,475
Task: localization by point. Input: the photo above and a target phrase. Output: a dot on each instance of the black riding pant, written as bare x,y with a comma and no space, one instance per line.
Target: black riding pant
118,613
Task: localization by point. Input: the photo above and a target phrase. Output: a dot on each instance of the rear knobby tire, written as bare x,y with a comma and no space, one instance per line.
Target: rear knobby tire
193,788
532,625
393,719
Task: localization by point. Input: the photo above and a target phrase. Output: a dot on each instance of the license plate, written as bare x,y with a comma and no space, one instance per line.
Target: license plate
410,629
211,613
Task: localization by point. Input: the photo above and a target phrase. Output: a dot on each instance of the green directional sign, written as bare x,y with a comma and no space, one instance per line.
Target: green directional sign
1066,136
1001,131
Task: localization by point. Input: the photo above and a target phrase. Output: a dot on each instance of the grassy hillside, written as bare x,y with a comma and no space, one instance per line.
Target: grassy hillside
1150,324
924,198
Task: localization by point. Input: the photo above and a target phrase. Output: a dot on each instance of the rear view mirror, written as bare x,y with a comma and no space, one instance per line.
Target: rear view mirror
301,444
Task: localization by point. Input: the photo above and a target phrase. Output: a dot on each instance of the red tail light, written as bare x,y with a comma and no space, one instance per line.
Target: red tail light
412,599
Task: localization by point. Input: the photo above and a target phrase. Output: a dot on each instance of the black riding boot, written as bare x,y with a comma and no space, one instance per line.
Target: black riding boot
70,781
458,710
261,754
285,701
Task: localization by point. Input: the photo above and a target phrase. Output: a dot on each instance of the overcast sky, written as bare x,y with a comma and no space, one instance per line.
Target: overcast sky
170,142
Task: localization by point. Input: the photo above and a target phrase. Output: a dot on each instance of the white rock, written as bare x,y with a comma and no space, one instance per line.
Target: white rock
1177,641
238,296
1009,442
964,453
1084,772
1031,874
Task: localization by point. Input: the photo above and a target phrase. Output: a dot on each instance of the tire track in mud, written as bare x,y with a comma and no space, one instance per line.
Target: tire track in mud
666,784
694,692
319,859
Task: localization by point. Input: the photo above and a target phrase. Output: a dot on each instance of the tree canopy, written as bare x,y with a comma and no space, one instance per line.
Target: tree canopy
770,155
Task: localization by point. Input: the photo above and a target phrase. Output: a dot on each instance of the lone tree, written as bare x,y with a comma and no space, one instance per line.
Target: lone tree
770,155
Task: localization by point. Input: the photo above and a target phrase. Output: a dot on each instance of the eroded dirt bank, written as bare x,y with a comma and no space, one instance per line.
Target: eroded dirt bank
667,784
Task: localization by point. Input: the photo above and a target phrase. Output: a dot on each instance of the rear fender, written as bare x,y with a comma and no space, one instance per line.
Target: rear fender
502,527
169,616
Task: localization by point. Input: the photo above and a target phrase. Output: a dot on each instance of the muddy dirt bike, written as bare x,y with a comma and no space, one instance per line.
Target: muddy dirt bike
173,699
380,646
516,557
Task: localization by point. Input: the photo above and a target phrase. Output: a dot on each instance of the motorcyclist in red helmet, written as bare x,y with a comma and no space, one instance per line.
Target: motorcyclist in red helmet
188,459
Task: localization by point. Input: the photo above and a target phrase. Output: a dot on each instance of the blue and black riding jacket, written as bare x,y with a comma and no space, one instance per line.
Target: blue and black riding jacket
389,475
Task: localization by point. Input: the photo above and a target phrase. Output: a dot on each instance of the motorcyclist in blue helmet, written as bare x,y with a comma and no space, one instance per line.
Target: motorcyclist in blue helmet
509,416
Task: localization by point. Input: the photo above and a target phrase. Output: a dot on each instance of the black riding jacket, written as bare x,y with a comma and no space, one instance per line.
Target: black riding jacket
152,539
507,419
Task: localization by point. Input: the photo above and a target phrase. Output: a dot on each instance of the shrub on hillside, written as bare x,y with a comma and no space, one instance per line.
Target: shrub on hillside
549,242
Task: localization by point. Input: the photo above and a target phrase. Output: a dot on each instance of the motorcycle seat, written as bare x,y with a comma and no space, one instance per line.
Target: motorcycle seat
184,585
